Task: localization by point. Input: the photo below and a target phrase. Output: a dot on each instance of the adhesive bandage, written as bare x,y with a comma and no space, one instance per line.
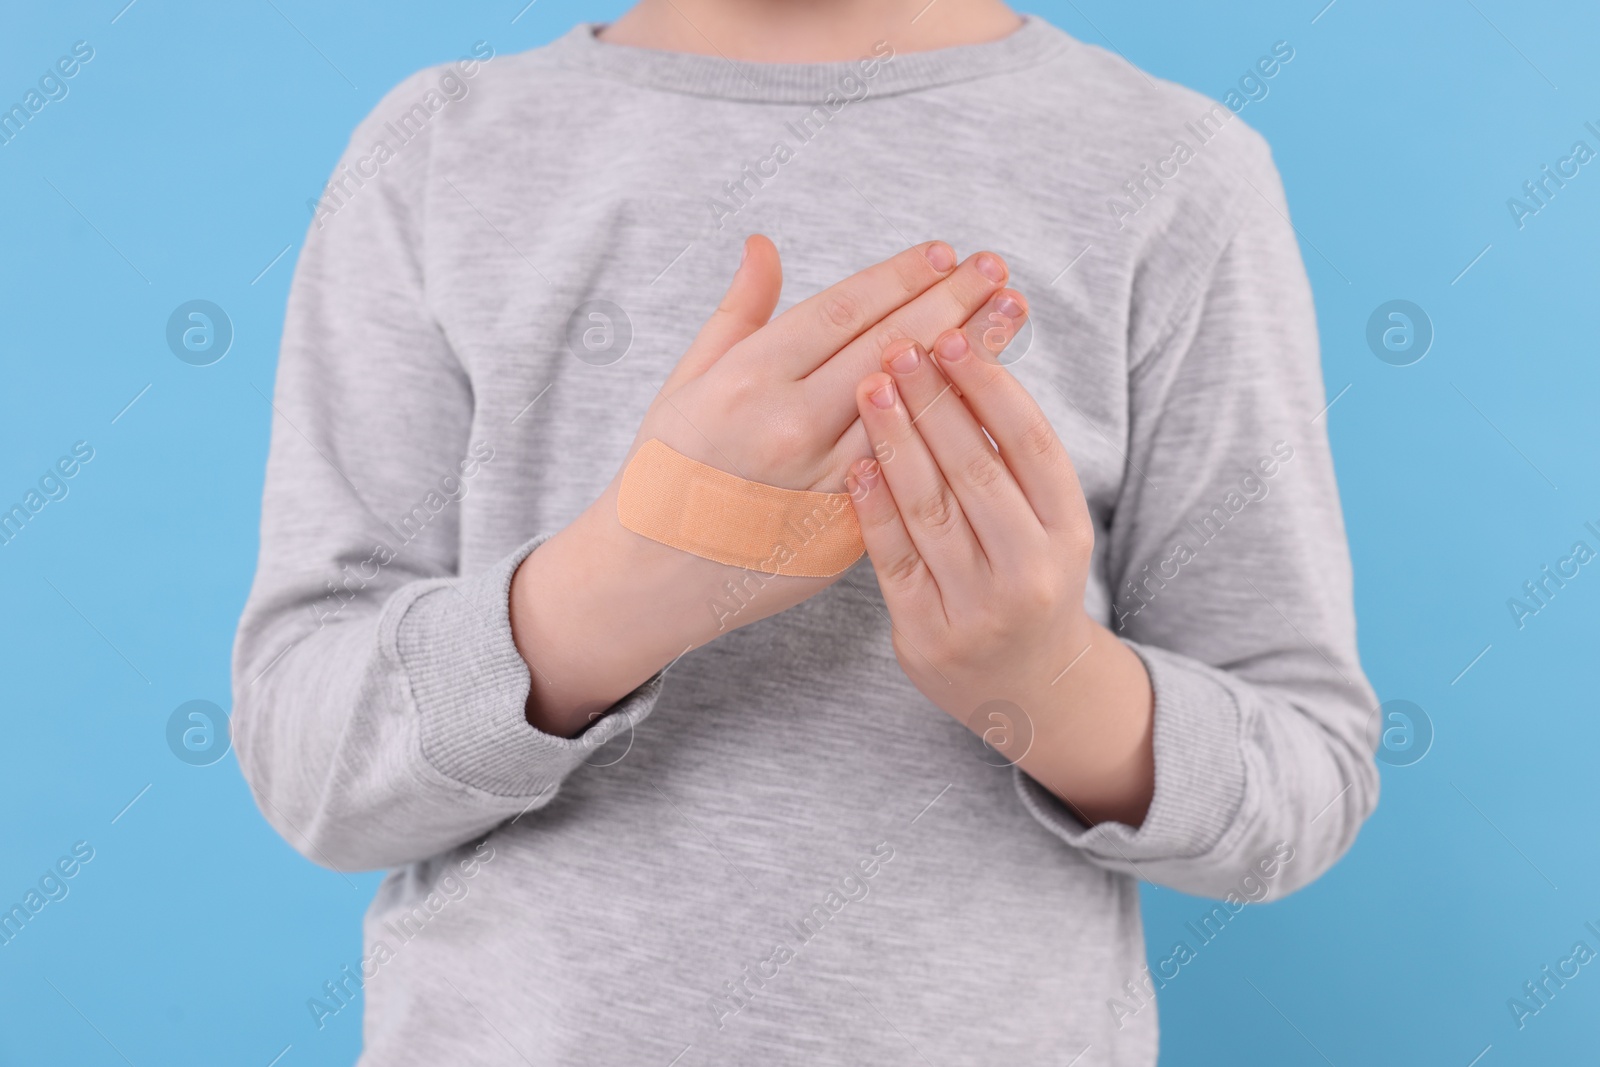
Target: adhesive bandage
684,504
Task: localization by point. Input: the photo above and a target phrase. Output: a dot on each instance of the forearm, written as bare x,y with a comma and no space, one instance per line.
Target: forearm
1262,717
593,614
1092,731
597,609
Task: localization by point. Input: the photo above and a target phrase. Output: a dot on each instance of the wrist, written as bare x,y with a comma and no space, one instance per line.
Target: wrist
578,664
1094,746
597,609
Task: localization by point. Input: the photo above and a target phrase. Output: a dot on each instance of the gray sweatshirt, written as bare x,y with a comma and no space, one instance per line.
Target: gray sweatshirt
777,851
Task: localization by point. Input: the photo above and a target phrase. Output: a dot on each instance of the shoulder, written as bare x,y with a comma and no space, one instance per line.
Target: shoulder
477,94
1159,148
1164,177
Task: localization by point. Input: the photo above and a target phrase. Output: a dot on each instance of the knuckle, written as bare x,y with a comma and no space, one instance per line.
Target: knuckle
880,517
731,307
956,301
970,288
1035,592
842,309
911,271
742,389
904,570
942,648
982,471
1038,439
1077,540
936,512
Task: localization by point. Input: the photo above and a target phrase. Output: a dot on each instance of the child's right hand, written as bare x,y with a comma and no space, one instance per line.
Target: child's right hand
597,609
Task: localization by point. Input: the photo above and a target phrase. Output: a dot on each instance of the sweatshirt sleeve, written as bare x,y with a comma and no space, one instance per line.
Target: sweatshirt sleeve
378,696
1230,577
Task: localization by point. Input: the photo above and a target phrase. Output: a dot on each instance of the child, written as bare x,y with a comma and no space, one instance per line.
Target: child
646,805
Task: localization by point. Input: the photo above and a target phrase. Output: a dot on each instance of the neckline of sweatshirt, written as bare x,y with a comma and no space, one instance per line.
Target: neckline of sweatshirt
885,71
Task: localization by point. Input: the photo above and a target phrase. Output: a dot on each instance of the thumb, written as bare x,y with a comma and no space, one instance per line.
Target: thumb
745,308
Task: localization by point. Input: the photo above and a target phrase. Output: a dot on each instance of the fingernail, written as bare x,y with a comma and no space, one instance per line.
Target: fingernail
745,254
991,267
904,361
883,396
940,256
1010,307
852,487
952,347
866,469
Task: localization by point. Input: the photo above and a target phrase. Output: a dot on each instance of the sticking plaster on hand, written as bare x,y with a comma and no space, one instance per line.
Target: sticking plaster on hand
687,505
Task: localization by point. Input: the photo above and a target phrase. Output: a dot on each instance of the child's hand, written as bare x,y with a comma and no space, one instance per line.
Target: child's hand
597,609
982,556
772,401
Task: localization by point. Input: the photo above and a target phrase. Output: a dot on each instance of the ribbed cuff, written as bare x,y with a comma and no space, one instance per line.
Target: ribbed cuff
470,686
1199,774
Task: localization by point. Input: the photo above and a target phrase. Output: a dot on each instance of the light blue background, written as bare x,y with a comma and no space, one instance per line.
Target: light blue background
180,166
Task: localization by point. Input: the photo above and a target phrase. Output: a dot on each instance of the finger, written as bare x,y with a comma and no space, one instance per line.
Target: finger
804,336
948,304
994,505
745,308
925,501
993,326
1027,442
996,324
850,447
903,577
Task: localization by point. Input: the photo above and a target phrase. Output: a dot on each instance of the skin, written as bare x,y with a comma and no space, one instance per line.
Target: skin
886,386
808,31
598,609
982,554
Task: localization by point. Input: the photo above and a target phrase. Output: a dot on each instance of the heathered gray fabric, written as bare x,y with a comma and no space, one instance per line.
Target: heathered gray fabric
434,424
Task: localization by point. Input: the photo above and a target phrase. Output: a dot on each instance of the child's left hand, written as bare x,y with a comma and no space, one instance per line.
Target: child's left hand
982,557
